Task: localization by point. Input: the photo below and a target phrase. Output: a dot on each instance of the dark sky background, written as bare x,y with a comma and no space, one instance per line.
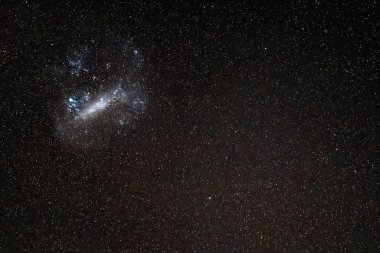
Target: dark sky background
260,136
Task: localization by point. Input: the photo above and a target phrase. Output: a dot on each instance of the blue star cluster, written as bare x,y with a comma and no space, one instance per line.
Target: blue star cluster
75,103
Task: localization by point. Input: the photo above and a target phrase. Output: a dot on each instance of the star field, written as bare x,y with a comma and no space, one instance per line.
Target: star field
189,126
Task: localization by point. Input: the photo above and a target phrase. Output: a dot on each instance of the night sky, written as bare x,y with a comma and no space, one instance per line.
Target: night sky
189,126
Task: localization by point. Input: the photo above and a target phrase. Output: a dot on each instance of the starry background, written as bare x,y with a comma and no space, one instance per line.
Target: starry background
260,134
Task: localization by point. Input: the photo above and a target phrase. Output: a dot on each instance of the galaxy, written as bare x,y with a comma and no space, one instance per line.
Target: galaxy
100,89
189,126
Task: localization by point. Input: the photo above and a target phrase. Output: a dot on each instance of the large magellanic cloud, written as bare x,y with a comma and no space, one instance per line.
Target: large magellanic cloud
102,92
